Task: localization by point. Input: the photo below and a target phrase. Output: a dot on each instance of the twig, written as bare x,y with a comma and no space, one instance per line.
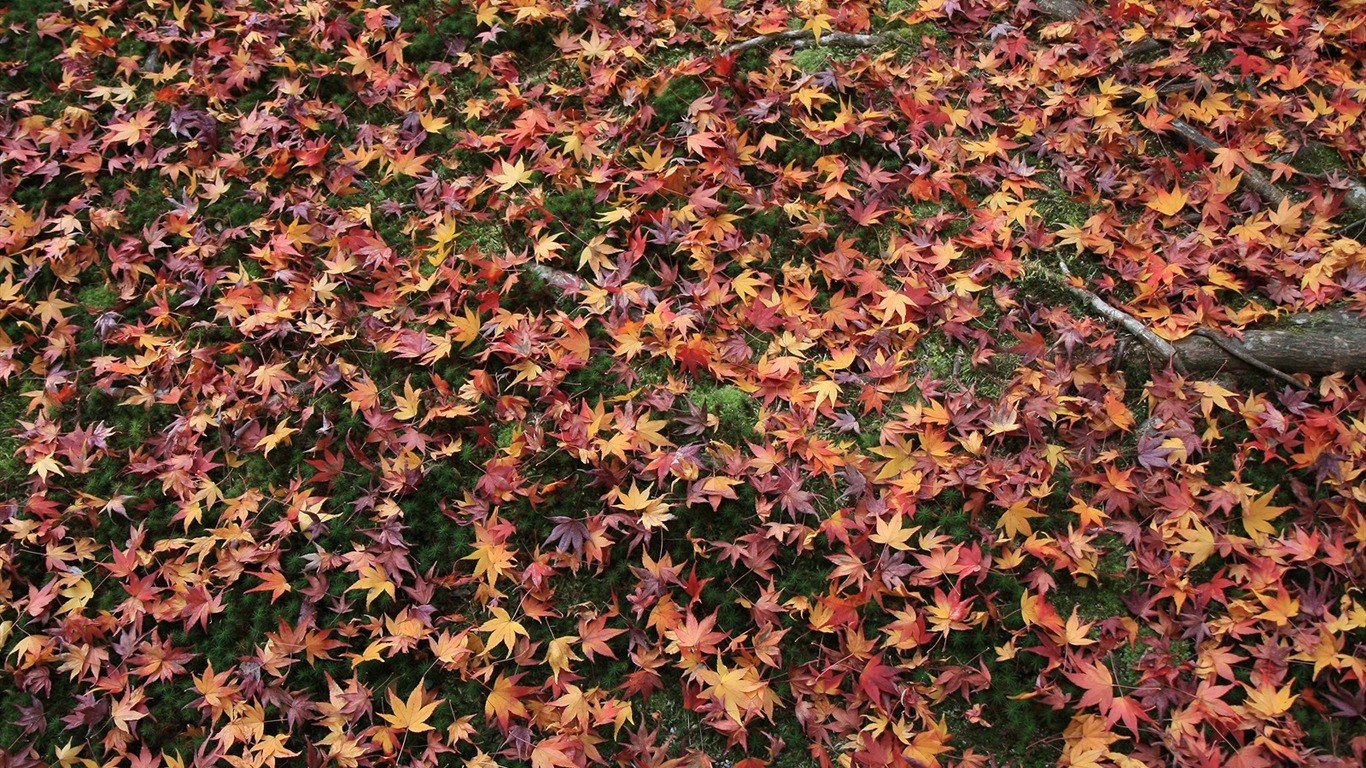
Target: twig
804,36
1240,354
1255,178
1160,346
565,282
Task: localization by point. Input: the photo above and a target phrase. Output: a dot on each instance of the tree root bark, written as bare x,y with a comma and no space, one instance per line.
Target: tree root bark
804,37
1317,343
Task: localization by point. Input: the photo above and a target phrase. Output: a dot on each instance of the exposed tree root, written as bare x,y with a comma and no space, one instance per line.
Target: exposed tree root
802,37
1319,343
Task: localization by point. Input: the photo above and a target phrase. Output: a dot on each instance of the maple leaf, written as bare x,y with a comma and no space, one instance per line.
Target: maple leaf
131,130
596,253
696,637
826,391
1016,519
504,701
1258,514
1097,684
1268,701
411,715
1075,631
503,630
375,580
274,439
817,24
128,710
900,457
733,688
713,490
510,175
364,395
1198,542
1168,203
554,753
409,403
891,533
408,163
274,582
594,634
653,512
492,560
559,653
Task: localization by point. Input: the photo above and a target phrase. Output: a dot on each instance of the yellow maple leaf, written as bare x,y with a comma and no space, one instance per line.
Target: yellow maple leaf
900,458
1198,543
891,533
411,715
491,560
732,687
510,175
559,653
1075,631
547,247
409,402
746,285
1016,519
433,123
1258,514
274,439
503,630
817,24
1169,203
825,390
376,581
597,254
653,512
47,465
1266,701
648,429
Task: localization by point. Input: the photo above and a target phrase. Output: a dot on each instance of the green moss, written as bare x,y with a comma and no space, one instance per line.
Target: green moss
943,358
1043,283
928,29
666,711
671,106
1093,602
573,209
1023,732
1057,207
733,408
814,59
1318,159
486,236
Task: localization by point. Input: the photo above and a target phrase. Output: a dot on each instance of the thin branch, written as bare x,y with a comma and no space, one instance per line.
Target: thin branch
1254,178
1160,346
802,37
565,282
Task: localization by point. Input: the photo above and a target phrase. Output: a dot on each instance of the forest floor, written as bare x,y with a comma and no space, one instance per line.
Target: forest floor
656,383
